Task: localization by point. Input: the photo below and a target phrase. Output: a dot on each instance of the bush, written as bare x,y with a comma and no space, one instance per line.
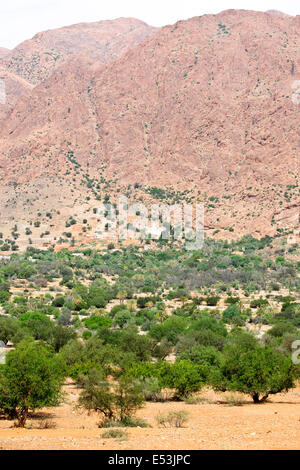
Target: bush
143,302
95,322
175,419
58,301
234,399
38,324
204,337
232,300
115,434
169,329
86,334
150,388
65,318
116,402
123,318
202,355
4,296
195,400
212,301
280,329
9,327
128,422
231,312
46,424
258,303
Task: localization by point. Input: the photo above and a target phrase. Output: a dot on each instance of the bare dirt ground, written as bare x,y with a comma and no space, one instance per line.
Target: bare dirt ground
212,424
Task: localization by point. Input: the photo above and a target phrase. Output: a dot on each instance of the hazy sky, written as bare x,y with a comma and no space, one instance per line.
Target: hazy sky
21,19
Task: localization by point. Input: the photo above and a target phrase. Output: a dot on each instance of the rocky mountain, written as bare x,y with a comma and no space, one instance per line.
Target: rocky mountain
3,52
202,110
14,87
277,13
34,60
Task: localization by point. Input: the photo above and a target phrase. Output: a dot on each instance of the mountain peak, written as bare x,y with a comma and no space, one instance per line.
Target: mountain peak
277,13
35,59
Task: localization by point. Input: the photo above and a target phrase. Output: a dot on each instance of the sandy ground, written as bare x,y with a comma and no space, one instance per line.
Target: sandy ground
211,425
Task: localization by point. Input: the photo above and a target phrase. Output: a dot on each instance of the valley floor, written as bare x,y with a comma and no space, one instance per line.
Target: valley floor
212,424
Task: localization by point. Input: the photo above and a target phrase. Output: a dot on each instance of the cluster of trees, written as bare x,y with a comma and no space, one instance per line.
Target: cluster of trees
217,266
36,326
117,373
134,351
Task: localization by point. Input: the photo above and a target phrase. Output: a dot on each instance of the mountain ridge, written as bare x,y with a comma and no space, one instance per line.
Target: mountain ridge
203,106
36,58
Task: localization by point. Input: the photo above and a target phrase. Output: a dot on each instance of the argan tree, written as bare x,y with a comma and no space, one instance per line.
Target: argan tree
258,372
30,379
115,400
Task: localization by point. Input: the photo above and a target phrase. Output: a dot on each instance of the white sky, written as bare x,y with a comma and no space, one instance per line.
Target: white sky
21,19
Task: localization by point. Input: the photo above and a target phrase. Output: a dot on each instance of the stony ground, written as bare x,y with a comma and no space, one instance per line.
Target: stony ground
212,424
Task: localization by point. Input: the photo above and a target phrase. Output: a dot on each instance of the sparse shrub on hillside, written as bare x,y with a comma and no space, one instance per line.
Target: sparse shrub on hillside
212,301
257,303
232,300
231,313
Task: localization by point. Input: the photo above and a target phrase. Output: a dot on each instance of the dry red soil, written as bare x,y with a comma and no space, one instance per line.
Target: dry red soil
211,425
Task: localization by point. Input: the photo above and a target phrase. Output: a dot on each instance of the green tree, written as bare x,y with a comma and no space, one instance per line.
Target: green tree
231,312
94,322
259,372
30,379
185,377
116,401
170,329
8,328
60,336
123,318
38,324
4,296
